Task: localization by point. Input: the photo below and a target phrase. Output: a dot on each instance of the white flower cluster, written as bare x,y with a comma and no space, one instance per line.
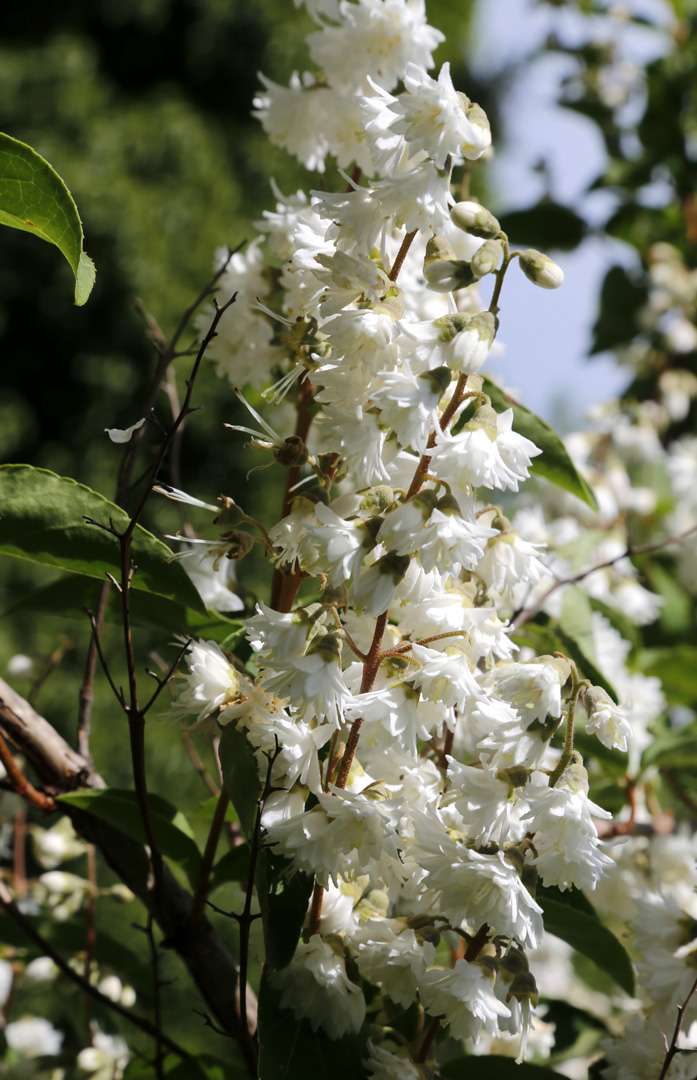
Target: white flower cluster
412,771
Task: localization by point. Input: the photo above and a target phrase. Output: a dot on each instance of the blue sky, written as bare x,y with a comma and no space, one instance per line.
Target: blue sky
546,335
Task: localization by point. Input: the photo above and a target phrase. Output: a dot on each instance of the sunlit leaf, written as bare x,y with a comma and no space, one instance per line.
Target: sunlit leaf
43,520
33,198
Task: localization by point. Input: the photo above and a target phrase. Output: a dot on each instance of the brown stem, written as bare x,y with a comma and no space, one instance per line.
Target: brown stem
198,764
19,852
427,1043
208,857
370,670
672,1050
84,709
306,397
448,413
402,254
21,784
477,943
156,998
316,908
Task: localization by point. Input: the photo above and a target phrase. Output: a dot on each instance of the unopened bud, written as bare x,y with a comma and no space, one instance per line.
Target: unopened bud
487,258
475,219
540,269
438,249
376,499
449,275
230,514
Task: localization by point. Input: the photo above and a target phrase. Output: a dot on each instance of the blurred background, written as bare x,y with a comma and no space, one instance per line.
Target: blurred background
144,108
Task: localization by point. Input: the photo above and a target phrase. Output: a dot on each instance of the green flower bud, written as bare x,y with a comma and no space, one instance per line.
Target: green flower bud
230,514
439,379
239,543
540,269
487,258
292,454
376,500
438,249
475,219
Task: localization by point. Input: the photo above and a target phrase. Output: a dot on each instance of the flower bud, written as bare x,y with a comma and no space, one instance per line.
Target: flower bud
376,500
540,269
445,275
475,219
438,249
487,258
231,514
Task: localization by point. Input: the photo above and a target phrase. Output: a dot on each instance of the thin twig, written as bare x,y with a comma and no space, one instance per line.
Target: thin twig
402,254
527,613
53,662
19,852
21,784
198,764
161,683
84,710
216,828
47,950
118,693
672,1050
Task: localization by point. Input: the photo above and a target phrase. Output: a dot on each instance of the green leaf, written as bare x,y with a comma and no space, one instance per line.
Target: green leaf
119,807
234,866
203,1067
283,901
43,520
240,776
494,1067
673,749
675,667
35,199
554,463
620,302
571,917
289,1048
70,595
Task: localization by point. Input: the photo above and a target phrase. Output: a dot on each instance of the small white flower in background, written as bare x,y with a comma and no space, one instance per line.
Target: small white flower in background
39,972
57,844
6,980
124,435
316,986
106,1058
384,1064
20,666
33,1037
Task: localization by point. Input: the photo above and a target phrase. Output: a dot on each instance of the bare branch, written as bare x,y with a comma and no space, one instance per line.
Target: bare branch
672,1049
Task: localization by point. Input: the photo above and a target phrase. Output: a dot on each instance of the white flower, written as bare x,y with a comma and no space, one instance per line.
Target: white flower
472,887
446,676
374,37
211,683
407,403
33,1037
465,997
565,836
432,117
105,1058
608,721
393,958
484,799
383,1064
534,689
316,987
314,682
487,453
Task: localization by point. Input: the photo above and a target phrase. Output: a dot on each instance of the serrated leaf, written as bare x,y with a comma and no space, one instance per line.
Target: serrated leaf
289,1048
70,595
119,807
570,916
494,1067
554,463
43,520
33,198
